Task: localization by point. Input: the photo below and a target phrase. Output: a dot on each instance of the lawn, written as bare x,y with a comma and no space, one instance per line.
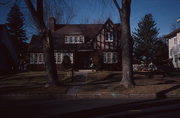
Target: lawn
94,82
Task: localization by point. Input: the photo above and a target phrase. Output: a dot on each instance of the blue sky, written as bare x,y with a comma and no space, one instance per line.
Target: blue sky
165,12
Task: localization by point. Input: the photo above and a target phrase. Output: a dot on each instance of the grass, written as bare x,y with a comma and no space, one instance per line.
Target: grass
97,82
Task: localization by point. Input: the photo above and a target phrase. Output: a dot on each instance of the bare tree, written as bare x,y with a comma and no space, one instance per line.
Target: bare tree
100,20
124,9
45,35
85,20
62,11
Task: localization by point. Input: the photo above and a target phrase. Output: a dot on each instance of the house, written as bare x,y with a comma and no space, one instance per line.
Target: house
174,47
8,57
85,44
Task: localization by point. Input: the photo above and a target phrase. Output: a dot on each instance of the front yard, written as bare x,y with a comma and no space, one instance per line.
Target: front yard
93,82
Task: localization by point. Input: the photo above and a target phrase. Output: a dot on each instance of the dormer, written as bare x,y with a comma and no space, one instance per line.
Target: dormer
108,31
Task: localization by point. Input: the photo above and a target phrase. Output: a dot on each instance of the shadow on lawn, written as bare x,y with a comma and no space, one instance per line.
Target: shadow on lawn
114,77
162,94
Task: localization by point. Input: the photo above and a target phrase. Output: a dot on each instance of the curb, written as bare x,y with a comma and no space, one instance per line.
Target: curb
83,96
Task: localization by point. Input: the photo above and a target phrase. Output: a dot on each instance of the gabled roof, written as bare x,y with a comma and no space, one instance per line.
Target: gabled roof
86,29
172,34
89,31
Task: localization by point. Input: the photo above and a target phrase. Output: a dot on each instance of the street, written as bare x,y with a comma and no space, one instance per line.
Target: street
90,108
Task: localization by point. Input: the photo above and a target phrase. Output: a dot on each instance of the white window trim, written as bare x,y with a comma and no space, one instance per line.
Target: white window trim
109,37
36,58
109,57
79,39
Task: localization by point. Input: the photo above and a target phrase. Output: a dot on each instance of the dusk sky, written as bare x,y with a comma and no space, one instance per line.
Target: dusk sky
165,12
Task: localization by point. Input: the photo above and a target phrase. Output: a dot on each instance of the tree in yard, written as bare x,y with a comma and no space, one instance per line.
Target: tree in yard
15,25
126,41
161,51
45,35
145,40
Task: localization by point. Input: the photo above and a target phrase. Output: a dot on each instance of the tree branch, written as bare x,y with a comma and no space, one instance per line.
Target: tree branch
117,5
39,24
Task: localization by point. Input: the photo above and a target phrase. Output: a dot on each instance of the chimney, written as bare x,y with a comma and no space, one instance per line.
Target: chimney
52,23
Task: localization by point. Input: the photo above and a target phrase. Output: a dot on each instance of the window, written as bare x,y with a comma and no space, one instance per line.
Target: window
31,58
70,40
74,39
59,57
35,58
40,58
81,39
175,41
109,37
110,57
59,60
66,40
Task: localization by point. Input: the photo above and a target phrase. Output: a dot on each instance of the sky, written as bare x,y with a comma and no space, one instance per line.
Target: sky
165,13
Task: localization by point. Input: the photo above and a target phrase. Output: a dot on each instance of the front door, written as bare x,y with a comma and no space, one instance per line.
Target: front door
82,60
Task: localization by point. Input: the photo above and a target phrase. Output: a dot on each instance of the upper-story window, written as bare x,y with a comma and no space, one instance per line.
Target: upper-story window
109,37
175,41
74,39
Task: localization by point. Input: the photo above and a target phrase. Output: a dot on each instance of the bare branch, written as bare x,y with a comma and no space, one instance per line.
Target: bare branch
39,24
117,5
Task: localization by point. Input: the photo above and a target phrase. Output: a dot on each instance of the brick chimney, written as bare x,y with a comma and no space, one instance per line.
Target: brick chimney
52,23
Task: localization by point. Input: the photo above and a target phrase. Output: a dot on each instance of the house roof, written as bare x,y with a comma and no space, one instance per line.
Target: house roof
36,43
172,34
89,31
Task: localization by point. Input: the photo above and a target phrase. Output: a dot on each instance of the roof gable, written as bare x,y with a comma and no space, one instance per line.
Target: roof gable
173,33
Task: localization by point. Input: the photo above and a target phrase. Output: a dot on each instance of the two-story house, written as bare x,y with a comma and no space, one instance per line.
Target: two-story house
83,43
174,47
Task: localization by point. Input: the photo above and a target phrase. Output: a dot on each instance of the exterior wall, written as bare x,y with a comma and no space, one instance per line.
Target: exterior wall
84,53
174,50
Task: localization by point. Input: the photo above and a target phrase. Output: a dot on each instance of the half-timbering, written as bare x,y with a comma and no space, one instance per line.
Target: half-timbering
87,45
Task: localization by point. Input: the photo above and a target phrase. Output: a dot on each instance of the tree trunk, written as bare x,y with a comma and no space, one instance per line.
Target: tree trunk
48,43
127,70
49,59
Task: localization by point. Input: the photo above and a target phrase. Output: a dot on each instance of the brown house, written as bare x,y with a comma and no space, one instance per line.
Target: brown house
88,46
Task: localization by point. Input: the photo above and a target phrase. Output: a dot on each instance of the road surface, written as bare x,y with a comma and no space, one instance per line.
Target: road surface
90,108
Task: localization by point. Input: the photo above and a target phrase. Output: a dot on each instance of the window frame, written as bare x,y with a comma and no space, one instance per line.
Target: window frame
110,57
